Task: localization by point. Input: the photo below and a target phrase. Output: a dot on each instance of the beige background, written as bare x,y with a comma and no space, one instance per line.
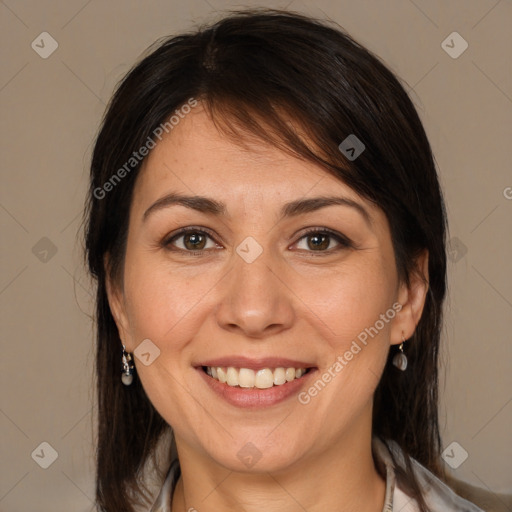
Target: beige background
51,110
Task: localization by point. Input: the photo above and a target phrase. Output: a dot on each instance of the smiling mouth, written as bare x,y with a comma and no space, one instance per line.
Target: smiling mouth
254,379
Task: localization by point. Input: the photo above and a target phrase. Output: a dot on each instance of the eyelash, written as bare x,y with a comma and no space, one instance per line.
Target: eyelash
343,242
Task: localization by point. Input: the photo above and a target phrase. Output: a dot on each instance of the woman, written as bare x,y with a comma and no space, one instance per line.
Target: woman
267,231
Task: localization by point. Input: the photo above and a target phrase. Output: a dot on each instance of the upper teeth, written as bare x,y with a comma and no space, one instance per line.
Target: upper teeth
247,378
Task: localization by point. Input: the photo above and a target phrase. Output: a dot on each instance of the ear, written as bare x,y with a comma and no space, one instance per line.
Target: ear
117,305
412,299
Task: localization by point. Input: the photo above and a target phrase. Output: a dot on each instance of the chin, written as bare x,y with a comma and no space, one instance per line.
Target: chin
258,454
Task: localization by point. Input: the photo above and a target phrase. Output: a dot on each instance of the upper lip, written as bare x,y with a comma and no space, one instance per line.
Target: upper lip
255,364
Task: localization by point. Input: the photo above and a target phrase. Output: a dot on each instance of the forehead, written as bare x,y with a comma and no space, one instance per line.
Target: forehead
196,158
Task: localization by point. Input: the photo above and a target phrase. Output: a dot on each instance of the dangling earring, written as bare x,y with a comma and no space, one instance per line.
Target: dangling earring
127,375
400,359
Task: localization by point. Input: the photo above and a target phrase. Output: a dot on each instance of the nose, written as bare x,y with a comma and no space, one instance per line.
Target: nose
255,301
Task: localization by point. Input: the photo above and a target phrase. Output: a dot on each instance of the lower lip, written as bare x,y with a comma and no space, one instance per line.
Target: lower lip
254,397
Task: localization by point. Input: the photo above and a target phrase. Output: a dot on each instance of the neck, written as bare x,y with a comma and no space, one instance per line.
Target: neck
343,478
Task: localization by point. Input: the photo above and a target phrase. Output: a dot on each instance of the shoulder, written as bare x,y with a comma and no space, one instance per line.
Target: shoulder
485,499
439,496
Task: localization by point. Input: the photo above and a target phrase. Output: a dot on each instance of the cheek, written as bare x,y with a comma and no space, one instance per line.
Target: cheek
350,301
354,312
162,300
163,307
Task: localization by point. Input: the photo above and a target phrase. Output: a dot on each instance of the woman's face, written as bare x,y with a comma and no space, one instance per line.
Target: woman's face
248,288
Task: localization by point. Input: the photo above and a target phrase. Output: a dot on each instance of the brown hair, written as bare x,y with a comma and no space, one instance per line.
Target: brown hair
254,71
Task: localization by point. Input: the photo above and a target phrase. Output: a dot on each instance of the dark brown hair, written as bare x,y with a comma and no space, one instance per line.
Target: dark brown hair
254,71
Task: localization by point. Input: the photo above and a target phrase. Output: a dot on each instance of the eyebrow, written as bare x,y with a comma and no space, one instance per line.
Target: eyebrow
294,208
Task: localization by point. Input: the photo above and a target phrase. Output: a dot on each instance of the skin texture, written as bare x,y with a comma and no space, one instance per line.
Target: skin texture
293,301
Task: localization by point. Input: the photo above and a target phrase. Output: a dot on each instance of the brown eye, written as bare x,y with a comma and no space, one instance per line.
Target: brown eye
194,241
323,241
190,240
318,242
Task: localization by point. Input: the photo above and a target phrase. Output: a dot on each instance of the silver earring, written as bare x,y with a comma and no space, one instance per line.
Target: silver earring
400,359
127,375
